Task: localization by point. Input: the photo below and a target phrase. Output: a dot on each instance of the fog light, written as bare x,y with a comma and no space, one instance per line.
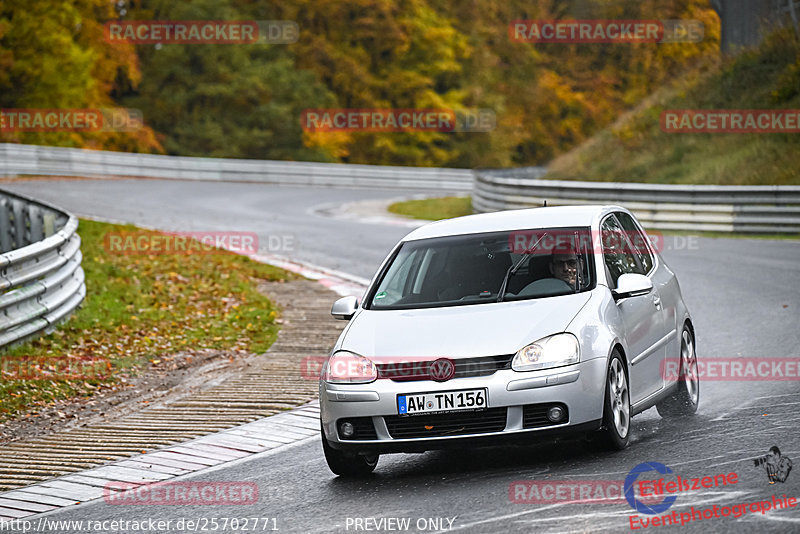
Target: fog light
347,430
555,414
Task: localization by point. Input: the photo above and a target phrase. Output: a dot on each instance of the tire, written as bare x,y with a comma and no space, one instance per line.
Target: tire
616,429
348,465
684,401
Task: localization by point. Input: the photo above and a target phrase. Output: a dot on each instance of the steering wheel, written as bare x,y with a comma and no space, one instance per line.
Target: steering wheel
546,287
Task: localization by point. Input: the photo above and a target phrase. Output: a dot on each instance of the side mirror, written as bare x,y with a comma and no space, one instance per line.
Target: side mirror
344,308
632,285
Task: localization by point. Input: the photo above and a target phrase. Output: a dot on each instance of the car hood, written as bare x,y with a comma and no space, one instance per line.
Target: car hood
460,331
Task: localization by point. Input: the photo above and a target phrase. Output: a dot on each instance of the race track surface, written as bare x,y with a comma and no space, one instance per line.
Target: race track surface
744,295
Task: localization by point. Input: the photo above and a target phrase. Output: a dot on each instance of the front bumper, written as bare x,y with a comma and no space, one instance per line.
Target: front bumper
579,387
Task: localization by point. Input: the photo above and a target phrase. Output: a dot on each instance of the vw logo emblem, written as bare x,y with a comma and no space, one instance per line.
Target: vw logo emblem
442,369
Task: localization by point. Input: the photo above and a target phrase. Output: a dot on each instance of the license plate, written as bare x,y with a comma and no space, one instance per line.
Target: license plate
442,401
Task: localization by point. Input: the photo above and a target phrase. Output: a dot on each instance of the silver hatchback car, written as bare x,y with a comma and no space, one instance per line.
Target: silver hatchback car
518,324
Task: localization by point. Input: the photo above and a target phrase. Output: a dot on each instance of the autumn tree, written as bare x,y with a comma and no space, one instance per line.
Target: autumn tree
53,55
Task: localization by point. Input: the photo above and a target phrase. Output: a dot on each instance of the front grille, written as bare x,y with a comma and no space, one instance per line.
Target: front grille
364,429
535,415
446,424
406,371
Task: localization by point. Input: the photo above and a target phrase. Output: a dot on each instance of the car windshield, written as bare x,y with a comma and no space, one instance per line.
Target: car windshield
470,269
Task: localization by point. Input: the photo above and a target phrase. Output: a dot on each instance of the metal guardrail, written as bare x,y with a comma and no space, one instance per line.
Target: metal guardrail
16,159
753,209
720,208
41,279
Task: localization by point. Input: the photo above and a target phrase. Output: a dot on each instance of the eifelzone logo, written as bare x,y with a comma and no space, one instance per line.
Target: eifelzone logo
776,465
637,504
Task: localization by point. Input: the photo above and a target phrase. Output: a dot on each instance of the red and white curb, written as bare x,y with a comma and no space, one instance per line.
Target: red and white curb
342,283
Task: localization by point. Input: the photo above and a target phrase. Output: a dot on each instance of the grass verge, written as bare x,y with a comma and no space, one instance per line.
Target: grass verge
140,310
433,209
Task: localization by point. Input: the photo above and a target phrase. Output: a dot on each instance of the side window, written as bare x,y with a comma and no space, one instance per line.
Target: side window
638,240
396,285
617,252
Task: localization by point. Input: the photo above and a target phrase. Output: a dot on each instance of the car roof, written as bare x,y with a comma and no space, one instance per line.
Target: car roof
524,219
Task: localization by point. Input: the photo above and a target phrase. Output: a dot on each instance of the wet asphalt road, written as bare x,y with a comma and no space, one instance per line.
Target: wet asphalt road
744,296
277,214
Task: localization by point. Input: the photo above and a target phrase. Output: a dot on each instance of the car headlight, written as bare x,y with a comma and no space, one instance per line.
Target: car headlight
552,351
345,367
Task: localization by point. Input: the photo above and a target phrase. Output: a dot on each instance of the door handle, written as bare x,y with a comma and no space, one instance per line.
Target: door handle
657,302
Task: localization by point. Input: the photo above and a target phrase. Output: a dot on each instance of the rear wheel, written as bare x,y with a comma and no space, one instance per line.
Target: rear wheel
617,405
348,464
685,400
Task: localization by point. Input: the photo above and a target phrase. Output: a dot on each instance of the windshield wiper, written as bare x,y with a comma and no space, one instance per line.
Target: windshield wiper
513,269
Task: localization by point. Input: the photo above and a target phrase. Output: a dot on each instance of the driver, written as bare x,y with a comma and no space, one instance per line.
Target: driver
564,267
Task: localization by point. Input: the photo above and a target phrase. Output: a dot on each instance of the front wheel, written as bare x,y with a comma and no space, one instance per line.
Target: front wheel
617,405
685,400
348,465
